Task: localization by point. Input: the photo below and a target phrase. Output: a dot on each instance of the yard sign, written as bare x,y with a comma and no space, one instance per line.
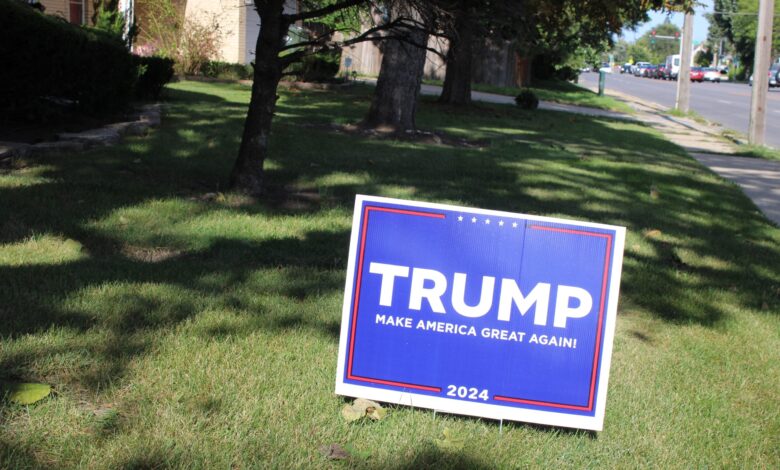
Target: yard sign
479,312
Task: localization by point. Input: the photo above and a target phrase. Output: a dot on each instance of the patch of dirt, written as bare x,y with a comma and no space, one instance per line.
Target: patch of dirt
150,255
415,136
292,198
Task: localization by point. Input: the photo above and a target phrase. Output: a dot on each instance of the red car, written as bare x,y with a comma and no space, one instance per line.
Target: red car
697,74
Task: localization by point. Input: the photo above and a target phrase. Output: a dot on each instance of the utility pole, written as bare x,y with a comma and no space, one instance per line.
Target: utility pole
757,127
683,98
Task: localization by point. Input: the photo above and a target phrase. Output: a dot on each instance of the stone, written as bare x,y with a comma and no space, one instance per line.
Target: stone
13,149
95,137
130,128
55,148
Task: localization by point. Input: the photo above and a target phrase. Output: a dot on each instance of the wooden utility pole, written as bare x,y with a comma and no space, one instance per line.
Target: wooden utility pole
757,126
683,98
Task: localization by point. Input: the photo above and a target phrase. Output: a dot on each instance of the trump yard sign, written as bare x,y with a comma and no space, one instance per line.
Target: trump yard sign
479,312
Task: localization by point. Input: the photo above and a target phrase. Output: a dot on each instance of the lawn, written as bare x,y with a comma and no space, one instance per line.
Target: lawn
183,326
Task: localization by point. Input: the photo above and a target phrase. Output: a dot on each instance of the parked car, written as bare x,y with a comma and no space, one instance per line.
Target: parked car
711,74
625,68
774,76
697,74
605,68
640,67
649,71
660,72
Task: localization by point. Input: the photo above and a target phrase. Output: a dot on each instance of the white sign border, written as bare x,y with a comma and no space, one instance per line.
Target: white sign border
484,410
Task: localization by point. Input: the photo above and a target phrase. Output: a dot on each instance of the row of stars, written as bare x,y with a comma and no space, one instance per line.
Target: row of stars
486,221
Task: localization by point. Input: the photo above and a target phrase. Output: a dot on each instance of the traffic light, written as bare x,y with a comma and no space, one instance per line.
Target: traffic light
652,37
677,35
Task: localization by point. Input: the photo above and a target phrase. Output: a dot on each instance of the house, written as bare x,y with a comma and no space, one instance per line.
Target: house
75,11
239,25
493,63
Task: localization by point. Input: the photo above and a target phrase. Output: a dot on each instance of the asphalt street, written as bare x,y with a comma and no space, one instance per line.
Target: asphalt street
725,103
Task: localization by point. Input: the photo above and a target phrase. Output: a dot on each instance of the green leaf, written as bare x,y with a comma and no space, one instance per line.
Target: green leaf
25,393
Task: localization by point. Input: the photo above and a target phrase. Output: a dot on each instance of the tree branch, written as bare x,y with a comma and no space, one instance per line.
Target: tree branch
333,8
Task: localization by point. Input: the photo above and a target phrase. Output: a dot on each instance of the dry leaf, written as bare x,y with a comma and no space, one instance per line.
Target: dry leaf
362,407
334,452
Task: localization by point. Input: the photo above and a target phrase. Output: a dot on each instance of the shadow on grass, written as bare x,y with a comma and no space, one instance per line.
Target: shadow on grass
709,237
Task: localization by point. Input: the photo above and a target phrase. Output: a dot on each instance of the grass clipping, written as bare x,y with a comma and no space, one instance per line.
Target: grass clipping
361,408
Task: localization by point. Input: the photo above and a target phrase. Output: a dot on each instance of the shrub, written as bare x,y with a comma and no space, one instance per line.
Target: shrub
527,100
153,74
318,68
227,70
46,60
190,42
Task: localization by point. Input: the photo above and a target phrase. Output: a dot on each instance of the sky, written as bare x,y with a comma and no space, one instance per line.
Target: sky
700,23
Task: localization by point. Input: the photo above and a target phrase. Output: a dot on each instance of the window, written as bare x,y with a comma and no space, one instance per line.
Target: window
76,11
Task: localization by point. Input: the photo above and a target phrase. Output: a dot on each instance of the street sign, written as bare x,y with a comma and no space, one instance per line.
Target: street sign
480,312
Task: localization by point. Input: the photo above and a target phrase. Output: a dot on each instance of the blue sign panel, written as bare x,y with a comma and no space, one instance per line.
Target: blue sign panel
479,312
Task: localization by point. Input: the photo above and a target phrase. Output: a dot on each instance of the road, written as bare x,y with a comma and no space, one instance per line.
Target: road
725,103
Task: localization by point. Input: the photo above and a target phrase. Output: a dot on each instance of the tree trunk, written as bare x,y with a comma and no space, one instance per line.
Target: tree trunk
247,174
457,80
395,97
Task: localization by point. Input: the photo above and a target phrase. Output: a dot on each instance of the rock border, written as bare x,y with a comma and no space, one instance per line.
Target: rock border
147,116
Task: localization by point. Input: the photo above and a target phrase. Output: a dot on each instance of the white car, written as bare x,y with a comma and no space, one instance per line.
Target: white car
711,74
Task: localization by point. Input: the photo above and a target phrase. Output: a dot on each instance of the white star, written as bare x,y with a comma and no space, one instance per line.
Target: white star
460,218
514,224
500,223
487,221
473,220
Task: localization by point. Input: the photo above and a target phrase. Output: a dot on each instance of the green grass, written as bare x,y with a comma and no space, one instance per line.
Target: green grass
689,114
759,151
556,91
186,327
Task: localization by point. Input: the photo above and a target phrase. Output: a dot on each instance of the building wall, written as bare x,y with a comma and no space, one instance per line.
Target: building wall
61,8
228,14
239,25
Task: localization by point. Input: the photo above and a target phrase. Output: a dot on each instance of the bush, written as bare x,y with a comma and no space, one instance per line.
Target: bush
567,73
227,70
153,74
46,60
527,100
318,68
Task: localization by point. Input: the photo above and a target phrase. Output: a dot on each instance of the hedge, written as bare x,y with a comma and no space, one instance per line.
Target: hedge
44,59
153,74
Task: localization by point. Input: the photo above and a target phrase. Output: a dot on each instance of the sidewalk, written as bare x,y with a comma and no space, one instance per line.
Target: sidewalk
759,179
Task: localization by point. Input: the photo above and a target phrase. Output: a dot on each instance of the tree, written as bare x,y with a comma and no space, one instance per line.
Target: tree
394,103
457,78
659,48
704,57
274,55
737,22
